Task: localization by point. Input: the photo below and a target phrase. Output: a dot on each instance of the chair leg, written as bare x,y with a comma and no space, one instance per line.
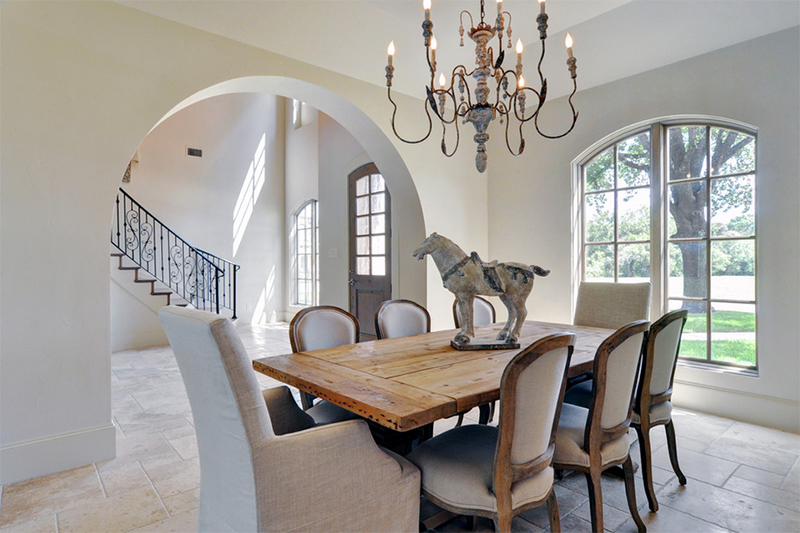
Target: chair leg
595,500
647,467
485,414
673,451
502,524
630,492
553,513
460,420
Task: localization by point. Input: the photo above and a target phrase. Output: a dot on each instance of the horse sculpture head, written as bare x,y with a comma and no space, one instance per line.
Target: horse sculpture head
433,242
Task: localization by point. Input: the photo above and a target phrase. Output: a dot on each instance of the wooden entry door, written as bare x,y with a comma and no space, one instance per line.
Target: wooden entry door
370,246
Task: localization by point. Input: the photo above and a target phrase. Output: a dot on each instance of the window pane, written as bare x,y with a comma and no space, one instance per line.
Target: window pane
379,245
688,207
362,186
378,203
687,269
362,205
733,333
694,341
733,211
599,173
379,266
633,262
378,184
733,270
362,226
362,245
600,263
732,152
378,223
633,160
599,213
687,152
633,207
362,266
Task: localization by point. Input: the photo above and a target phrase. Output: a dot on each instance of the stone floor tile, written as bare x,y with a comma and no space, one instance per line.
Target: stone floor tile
43,524
792,481
612,518
574,524
175,478
762,477
668,520
182,523
782,498
697,465
185,446
115,514
773,458
119,477
182,502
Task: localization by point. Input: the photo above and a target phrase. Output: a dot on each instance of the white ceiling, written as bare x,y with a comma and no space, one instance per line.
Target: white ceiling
613,38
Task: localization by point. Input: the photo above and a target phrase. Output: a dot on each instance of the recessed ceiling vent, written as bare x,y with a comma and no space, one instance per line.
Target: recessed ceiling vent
194,152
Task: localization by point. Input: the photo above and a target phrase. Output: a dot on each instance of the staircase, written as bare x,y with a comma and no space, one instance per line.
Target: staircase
183,274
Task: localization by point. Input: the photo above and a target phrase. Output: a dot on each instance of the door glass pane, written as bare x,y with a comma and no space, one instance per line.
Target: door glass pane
633,262
362,205
733,333
362,186
633,208
378,265
599,212
733,275
378,184
732,152
688,210
687,152
599,173
600,262
695,332
379,245
378,223
378,203
633,161
362,226
362,245
733,210
687,269
362,266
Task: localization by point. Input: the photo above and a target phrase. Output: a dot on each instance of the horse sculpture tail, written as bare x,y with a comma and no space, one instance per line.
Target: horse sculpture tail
539,271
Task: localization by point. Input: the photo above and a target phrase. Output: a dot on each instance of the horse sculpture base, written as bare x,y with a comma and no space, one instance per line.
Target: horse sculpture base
485,344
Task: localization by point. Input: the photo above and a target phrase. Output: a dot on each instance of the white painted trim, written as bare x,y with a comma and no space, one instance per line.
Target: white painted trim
754,408
55,453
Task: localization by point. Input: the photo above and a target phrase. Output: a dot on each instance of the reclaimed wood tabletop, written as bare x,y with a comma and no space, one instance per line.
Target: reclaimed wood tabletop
408,382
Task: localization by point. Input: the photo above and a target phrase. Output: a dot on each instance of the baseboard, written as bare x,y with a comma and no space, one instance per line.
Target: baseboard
55,453
768,411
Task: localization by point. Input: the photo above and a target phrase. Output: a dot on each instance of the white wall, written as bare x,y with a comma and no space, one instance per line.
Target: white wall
757,82
82,84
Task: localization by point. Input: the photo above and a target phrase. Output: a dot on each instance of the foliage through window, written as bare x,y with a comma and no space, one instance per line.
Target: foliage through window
306,223
707,236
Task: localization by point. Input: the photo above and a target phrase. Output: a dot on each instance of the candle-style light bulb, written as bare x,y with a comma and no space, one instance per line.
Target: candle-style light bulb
568,42
426,4
519,46
541,6
441,80
434,44
521,82
499,7
390,51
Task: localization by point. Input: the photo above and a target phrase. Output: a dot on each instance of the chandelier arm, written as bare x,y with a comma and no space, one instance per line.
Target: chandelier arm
574,116
461,18
539,66
508,141
514,107
394,129
458,138
446,93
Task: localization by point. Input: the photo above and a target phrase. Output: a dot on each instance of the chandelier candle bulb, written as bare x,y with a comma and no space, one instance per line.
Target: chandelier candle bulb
391,52
568,42
541,7
519,57
426,4
434,44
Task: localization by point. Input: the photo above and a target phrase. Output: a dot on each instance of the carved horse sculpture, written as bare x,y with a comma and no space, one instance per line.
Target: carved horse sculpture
466,276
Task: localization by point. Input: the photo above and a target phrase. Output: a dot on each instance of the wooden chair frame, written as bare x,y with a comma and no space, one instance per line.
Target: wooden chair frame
382,307
644,400
486,410
595,436
307,399
505,474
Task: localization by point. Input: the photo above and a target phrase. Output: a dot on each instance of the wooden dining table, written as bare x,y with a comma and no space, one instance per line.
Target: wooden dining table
409,382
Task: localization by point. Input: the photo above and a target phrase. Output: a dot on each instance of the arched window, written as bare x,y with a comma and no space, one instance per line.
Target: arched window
673,202
306,271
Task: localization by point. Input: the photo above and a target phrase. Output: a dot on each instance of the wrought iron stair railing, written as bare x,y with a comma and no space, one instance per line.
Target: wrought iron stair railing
206,281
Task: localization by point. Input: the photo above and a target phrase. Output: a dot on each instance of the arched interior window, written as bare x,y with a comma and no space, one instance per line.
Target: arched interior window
306,224
673,203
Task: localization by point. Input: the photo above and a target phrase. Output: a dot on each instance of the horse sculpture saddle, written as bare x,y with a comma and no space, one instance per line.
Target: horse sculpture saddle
490,275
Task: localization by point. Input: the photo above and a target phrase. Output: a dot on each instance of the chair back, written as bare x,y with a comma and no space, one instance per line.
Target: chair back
228,412
616,367
661,355
483,312
611,305
531,395
401,318
323,326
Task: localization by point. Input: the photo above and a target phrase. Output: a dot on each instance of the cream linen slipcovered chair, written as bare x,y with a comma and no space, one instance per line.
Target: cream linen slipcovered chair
317,328
595,439
483,314
401,318
611,305
327,478
499,472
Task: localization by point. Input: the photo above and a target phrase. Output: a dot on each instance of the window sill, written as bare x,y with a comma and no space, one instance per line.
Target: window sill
719,369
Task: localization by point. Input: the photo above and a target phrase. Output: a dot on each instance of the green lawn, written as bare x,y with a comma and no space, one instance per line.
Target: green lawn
736,351
723,322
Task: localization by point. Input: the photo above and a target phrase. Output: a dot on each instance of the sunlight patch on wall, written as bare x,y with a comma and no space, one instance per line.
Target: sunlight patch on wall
249,193
267,293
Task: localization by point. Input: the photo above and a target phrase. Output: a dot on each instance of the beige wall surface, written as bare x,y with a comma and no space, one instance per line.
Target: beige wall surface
82,84
757,82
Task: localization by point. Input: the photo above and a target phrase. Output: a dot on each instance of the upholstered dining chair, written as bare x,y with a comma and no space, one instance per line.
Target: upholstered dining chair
316,328
483,312
611,305
501,471
595,439
254,480
652,405
401,318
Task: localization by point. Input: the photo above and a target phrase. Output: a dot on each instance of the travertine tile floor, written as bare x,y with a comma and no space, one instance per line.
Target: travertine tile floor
741,477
